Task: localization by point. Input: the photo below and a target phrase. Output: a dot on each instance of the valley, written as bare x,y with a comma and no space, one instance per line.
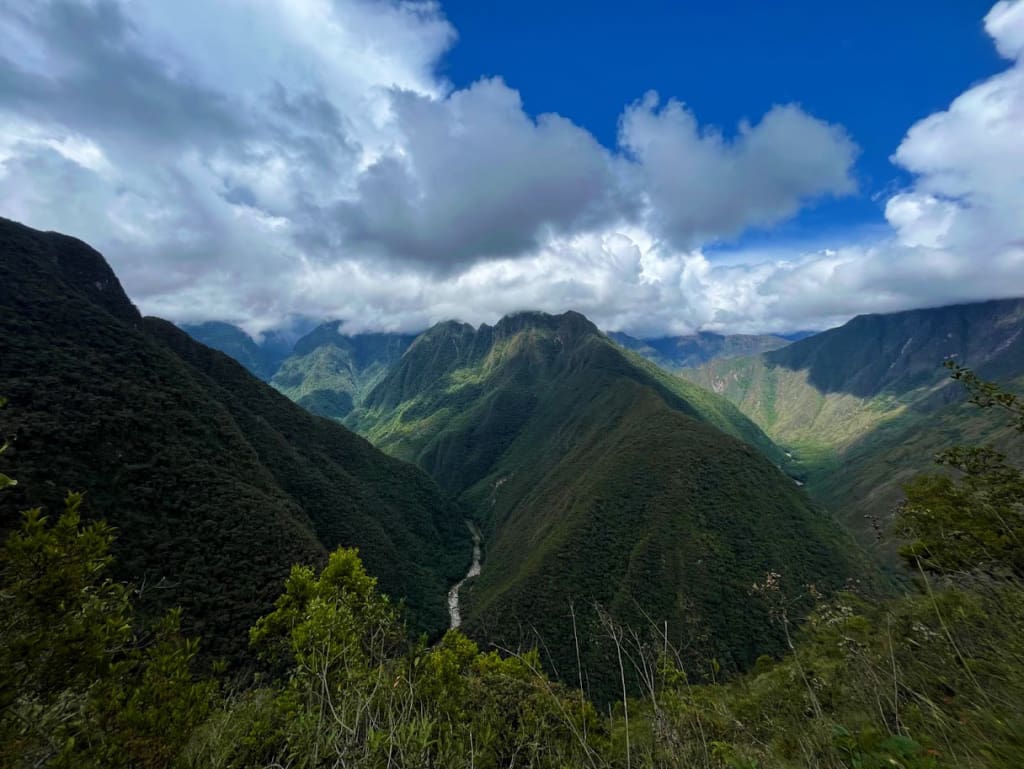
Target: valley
599,482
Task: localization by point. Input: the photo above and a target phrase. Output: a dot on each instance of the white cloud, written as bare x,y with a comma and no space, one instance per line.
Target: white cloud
476,177
318,164
701,185
968,194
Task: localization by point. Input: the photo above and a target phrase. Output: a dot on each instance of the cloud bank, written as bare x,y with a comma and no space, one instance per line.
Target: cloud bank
251,160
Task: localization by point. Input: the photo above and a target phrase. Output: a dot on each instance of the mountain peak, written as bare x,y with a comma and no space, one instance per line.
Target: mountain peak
568,325
449,327
70,261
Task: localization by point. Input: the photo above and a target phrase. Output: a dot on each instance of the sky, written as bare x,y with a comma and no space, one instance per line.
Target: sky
662,167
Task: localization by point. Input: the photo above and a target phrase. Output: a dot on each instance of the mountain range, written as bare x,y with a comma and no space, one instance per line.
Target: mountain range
859,409
607,488
329,373
261,358
601,482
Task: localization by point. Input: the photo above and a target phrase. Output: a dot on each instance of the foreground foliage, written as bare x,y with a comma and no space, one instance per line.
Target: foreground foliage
932,679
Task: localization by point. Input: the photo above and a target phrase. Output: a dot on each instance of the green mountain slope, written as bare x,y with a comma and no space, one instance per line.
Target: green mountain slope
864,407
262,359
216,483
676,352
598,478
329,373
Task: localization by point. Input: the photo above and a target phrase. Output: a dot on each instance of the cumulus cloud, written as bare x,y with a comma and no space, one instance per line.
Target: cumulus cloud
478,178
968,196
318,164
702,186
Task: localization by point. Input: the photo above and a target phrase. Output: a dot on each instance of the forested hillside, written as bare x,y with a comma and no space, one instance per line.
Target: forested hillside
215,483
599,479
864,407
329,373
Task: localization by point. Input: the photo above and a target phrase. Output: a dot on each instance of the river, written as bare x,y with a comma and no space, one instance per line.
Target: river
474,570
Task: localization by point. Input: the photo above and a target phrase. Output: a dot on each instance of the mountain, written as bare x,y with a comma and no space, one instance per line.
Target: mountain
676,352
215,482
598,478
329,373
262,358
864,407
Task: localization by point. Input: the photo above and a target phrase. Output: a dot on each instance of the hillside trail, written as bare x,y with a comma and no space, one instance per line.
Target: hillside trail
474,571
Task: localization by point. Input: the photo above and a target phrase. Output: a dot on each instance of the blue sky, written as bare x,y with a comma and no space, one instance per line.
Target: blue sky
662,167
875,67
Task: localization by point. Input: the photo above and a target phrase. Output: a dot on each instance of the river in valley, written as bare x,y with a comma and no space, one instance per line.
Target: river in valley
474,570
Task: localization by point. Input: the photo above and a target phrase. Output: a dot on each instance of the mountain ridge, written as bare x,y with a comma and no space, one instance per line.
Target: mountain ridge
216,483
261,358
865,406
689,351
572,453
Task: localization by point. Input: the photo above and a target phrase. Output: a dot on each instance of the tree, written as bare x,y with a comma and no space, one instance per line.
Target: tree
81,685
974,521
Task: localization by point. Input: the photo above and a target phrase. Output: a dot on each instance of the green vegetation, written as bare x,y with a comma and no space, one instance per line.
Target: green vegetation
928,680
974,521
215,482
656,591
84,683
865,407
599,479
329,373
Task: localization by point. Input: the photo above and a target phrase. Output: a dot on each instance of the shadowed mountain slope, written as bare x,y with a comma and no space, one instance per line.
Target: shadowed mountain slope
215,482
262,359
864,407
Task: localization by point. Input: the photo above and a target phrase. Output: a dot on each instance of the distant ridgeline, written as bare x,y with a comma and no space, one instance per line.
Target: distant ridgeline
678,352
262,358
599,479
325,371
330,373
215,482
866,406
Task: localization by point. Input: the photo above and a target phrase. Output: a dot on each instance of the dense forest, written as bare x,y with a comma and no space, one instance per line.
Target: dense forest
215,482
925,680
